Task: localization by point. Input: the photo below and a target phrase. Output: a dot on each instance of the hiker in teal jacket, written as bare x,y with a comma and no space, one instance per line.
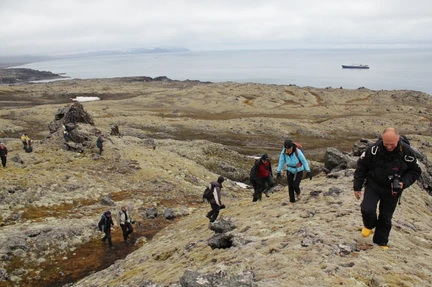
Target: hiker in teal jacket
295,162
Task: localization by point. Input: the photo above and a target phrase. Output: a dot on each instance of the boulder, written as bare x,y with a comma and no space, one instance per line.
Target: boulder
220,241
169,213
196,279
151,212
222,226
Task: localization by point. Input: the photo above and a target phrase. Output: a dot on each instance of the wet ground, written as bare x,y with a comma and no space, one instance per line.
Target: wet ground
93,256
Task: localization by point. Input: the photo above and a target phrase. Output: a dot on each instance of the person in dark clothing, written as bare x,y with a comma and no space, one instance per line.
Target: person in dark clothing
215,202
3,154
296,163
104,225
125,221
263,176
385,169
99,144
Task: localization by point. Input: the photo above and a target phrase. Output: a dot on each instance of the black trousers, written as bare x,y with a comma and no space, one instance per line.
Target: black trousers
127,229
383,221
261,184
3,160
294,180
214,212
107,236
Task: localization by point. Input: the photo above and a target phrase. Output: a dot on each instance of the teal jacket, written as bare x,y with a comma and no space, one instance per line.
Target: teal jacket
291,161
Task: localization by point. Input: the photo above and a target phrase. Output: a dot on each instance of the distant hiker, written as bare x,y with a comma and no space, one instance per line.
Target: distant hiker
262,175
25,139
3,154
295,162
99,144
385,169
29,147
125,221
104,225
215,201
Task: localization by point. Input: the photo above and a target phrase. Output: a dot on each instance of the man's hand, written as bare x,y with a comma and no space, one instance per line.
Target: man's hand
357,194
309,175
278,176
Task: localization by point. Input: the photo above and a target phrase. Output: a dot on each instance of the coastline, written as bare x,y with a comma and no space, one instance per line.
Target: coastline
398,70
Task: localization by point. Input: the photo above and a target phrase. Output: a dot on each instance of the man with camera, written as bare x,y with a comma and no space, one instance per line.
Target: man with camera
125,221
385,169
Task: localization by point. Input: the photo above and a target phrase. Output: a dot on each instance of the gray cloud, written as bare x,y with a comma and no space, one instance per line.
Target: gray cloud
50,26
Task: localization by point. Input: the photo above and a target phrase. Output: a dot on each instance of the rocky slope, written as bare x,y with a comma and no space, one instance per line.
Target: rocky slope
174,138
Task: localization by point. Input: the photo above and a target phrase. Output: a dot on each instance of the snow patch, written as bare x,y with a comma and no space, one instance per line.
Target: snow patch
86,99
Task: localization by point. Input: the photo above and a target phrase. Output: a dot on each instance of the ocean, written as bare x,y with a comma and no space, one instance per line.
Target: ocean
390,69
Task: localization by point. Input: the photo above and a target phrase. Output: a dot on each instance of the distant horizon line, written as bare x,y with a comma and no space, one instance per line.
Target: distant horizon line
186,50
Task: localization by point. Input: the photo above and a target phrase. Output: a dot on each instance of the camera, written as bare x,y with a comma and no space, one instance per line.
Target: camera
395,184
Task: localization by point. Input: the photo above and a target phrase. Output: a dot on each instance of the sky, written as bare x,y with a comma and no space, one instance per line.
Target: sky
56,27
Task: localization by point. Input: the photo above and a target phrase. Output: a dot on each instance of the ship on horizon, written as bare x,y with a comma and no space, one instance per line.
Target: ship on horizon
355,66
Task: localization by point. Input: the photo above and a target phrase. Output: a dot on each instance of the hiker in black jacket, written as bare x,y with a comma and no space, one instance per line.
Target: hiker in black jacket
215,201
99,144
3,154
386,169
104,225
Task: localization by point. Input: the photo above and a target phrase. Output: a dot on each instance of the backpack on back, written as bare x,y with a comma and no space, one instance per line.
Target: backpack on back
208,193
298,146
253,174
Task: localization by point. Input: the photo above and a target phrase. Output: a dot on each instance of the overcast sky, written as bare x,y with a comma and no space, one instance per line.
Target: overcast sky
68,26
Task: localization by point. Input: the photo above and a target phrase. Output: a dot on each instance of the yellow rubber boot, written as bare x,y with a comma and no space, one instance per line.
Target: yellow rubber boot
384,247
366,232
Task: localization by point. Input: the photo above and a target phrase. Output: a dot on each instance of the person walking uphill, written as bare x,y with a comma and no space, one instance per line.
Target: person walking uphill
385,169
25,139
3,154
215,201
104,225
296,163
263,175
99,144
125,221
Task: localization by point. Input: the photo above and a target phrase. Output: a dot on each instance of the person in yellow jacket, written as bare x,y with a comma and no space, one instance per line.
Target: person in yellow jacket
25,140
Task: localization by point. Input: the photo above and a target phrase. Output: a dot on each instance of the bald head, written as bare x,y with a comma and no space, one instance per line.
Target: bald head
390,137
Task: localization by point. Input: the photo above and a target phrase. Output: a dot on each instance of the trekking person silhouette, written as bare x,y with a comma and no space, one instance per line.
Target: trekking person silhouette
215,201
99,144
296,163
125,221
25,139
104,225
262,176
385,169
3,154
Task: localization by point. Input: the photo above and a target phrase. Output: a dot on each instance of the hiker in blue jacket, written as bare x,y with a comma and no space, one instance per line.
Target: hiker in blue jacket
295,162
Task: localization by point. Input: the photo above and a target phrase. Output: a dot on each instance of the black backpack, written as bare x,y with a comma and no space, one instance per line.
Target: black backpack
208,193
253,174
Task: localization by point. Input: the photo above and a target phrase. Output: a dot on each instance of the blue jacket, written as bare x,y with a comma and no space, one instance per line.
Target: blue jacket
291,162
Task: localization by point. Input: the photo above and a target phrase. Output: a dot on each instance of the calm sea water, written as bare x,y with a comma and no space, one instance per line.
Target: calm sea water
393,69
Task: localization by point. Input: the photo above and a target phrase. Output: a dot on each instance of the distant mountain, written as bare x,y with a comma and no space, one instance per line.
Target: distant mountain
126,51
9,61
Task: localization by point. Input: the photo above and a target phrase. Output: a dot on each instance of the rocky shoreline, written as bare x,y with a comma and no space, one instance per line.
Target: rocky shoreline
176,136
24,75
